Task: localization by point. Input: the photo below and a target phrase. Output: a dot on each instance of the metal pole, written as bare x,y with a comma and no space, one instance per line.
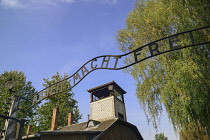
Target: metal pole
10,124
20,124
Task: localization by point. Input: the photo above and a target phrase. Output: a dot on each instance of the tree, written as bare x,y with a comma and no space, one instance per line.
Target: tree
160,136
64,101
179,80
22,88
193,132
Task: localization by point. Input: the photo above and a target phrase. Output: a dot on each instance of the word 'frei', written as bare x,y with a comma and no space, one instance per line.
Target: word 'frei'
115,62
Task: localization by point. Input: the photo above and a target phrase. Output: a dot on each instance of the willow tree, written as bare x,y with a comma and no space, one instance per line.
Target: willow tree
64,101
193,133
179,80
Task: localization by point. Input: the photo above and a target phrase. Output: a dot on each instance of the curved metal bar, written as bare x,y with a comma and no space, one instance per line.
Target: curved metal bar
15,119
117,56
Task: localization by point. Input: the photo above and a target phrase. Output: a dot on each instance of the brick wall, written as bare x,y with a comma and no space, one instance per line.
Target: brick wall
107,108
102,109
120,108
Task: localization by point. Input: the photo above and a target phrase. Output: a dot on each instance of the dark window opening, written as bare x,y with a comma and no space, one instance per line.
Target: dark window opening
95,98
121,116
118,95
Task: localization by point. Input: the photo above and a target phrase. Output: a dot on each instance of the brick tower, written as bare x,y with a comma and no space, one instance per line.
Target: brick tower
107,102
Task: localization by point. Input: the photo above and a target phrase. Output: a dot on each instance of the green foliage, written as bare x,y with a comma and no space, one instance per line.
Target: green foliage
160,136
22,88
193,132
64,101
179,80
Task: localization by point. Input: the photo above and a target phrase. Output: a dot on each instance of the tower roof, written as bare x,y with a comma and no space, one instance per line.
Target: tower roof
104,88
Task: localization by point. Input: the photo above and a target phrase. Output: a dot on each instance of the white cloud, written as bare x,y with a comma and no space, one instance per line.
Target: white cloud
103,1
11,4
43,3
111,1
32,3
68,1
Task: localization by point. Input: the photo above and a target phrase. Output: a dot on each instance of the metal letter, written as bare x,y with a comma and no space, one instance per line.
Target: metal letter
116,57
59,87
35,99
155,49
76,76
92,67
53,87
104,60
84,70
136,54
173,40
40,95
192,38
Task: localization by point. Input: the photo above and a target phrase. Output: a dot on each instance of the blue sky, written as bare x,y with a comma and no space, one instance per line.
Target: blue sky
42,37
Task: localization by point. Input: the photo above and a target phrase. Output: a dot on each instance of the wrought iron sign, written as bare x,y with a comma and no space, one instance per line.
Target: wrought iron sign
115,62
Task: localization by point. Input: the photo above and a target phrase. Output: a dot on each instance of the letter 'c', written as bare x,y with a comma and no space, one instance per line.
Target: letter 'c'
93,67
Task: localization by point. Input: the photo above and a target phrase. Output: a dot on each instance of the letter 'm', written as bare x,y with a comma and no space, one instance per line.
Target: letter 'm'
84,70
76,76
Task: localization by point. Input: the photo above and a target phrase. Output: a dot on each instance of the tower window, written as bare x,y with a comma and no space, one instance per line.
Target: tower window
118,95
95,98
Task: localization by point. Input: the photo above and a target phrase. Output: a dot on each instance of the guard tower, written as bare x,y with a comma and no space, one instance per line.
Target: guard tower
107,102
